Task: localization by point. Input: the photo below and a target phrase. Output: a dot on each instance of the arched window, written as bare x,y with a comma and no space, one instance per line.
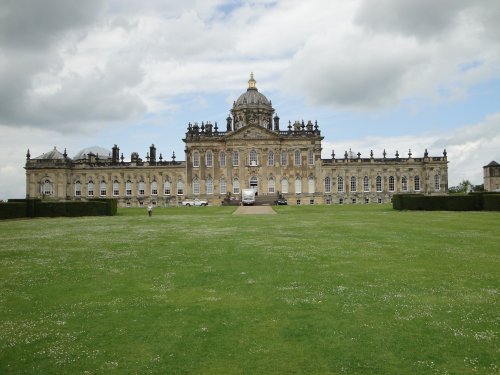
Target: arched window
103,190
297,157
78,189
196,186
404,183
328,185
284,158
47,188
116,188
90,189
310,157
253,157
340,184
222,159
236,158
284,186
209,159
180,187
141,187
272,185
166,188
416,182
298,185
236,186
210,186
354,184
270,158
223,186
391,183
437,182
366,184
154,188
311,188
378,184
128,188
196,159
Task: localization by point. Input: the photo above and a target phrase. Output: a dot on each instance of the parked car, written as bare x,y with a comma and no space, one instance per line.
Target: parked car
280,202
194,202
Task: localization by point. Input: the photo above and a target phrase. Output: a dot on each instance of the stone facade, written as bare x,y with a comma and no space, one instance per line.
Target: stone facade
491,173
252,152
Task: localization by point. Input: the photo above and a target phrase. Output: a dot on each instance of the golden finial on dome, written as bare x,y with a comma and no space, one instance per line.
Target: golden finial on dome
252,82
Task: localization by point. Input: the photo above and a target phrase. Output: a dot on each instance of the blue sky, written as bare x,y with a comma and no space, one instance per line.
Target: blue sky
390,74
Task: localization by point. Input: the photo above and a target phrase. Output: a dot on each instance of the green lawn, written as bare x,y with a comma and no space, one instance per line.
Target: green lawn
313,290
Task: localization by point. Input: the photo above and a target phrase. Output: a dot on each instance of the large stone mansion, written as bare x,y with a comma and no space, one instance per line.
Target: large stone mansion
253,151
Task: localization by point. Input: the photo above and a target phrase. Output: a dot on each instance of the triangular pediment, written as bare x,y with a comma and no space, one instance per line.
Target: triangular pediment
253,132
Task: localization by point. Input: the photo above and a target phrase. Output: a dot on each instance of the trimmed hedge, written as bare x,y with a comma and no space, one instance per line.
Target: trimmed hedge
112,205
470,202
12,210
17,208
491,202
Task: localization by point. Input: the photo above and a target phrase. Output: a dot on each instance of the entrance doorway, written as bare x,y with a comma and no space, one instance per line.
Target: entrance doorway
254,184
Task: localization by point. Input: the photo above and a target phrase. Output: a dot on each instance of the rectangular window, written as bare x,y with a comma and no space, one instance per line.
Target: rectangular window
223,186
253,158
154,189
196,159
297,157
340,185
366,184
328,185
270,159
116,189
210,186
90,189
209,159
236,187
271,185
417,183
222,159
404,184
284,158
310,157
437,182
78,189
236,158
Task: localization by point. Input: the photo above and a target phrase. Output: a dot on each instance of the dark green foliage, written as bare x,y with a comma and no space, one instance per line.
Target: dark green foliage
12,210
112,205
17,208
491,202
458,202
72,209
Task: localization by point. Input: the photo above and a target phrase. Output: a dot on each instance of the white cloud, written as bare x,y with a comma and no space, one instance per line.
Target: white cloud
469,148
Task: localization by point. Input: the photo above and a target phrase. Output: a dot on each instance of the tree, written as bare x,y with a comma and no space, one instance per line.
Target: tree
464,187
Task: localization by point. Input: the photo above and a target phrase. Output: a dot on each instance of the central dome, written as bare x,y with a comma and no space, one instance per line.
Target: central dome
252,97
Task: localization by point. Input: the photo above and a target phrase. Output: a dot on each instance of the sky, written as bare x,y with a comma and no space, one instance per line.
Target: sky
377,75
